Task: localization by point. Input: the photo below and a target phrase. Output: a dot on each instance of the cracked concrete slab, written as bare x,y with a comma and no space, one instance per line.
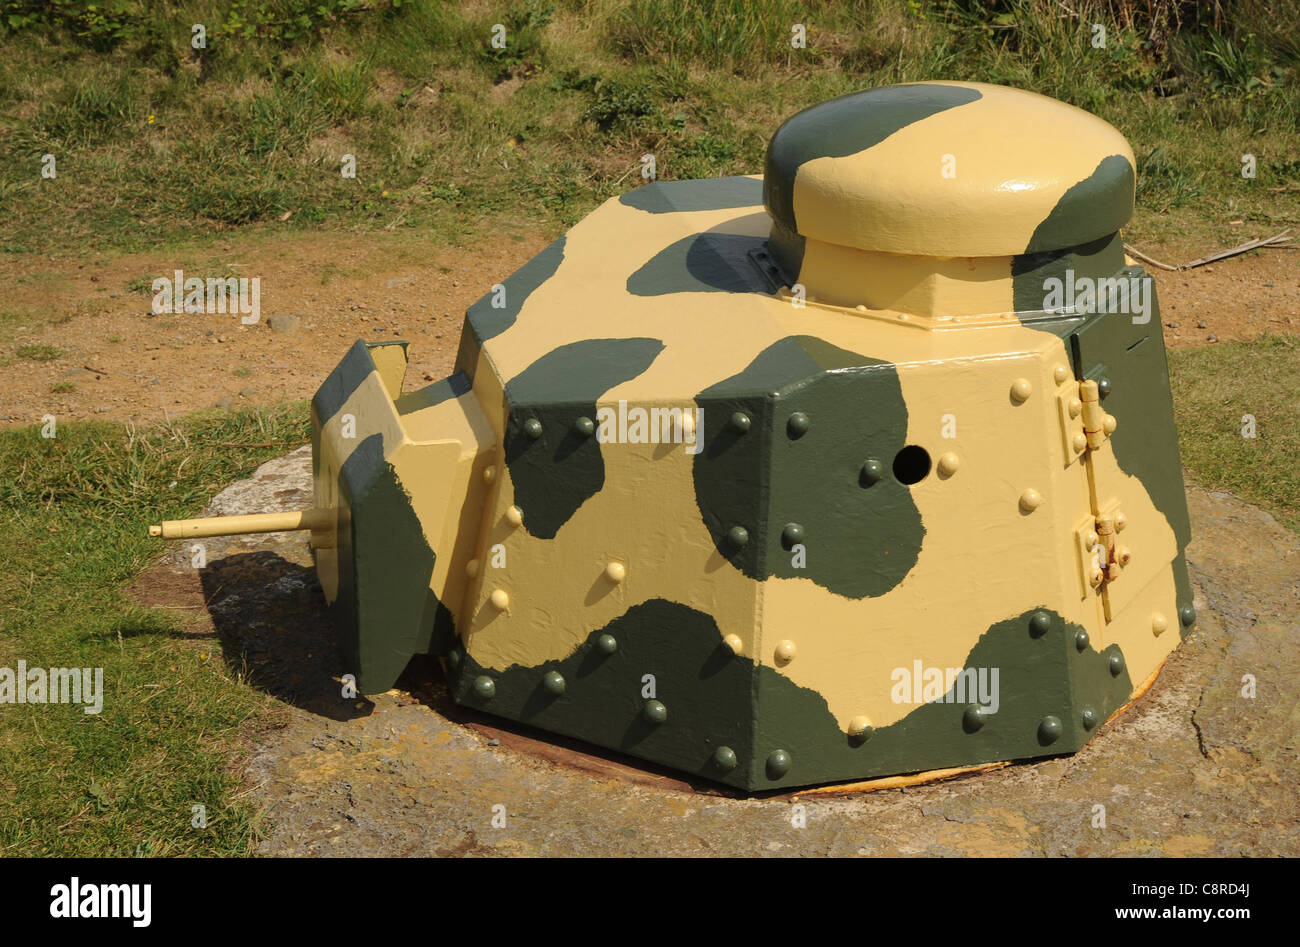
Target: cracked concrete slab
1198,766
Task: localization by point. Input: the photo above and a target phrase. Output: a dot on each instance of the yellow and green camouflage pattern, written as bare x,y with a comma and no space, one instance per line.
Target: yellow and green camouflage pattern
797,478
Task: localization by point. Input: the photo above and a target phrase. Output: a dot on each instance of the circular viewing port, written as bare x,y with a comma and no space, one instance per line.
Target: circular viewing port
911,464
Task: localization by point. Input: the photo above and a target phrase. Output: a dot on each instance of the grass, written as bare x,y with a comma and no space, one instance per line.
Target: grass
62,387
73,510
1215,387
39,353
454,137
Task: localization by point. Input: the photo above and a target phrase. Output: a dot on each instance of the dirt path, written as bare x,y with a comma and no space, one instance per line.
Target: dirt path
121,362
127,363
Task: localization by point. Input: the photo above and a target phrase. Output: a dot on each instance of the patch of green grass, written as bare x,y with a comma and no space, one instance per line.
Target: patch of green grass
257,124
73,510
243,371
63,387
1215,387
39,353
142,285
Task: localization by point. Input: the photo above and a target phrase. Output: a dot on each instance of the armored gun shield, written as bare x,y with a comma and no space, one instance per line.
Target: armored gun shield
865,466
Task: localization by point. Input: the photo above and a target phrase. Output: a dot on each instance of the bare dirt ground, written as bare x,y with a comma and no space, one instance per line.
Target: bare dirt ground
128,364
124,363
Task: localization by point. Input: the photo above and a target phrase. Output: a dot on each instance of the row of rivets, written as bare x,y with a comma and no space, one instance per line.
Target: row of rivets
583,426
553,681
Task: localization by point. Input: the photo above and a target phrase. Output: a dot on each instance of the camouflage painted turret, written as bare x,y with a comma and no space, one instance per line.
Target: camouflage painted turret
866,466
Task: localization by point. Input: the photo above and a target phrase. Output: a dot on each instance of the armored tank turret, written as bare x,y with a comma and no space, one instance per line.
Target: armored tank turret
863,466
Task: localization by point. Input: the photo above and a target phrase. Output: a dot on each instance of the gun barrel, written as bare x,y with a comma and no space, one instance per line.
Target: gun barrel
254,523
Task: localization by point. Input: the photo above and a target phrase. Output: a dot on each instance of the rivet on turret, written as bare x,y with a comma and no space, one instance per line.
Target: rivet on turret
553,681
471,568
616,572
1124,555
500,599
785,651
860,728
1187,615
1030,500
1021,389
1079,442
734,643
453,659
1116,662
584,427
724,758
973,718
778,764
1074,406
1103,386
737,537
654,711
1109,424
1089,718
489,474
485,687
873,471
798,424
1050,729
1120,522
533,428
1039,623
1081,640
1158,624
1060,373
606,644
515,516
948,464
739,422
792,535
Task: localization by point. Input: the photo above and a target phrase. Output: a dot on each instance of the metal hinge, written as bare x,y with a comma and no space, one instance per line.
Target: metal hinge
1085,425
1102,553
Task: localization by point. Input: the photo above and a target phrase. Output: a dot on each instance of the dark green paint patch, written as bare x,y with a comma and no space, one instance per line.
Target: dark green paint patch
1037,676
787,249
385,611
439,392
1097,206
705,689
1183,589
669,197
556,472
1030,272
1145,441
338,386
844,126
860,539
701,263
715,699
483,321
